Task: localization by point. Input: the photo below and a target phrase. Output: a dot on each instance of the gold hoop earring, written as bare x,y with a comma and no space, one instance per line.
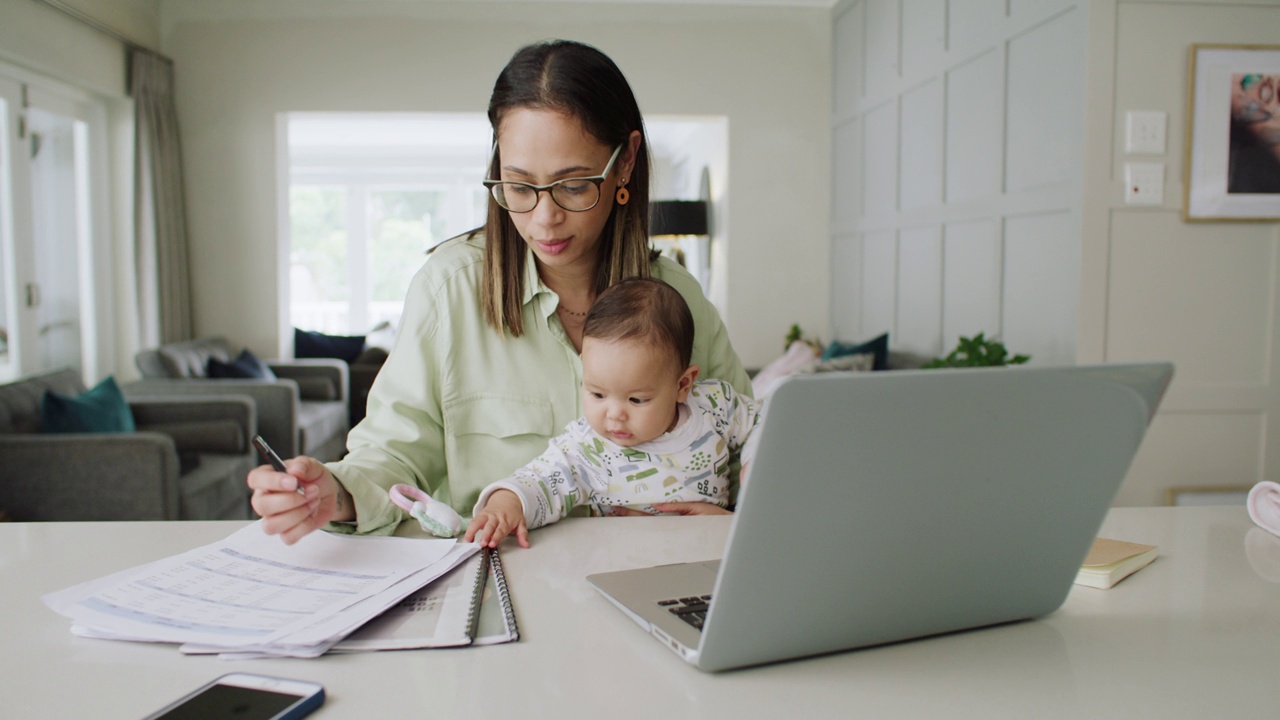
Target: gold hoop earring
623,196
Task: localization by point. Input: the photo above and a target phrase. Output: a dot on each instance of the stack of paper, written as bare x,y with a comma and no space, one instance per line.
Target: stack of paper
252,594
1110,561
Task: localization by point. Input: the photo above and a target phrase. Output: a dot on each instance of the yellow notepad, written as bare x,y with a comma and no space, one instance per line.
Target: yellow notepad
1110,561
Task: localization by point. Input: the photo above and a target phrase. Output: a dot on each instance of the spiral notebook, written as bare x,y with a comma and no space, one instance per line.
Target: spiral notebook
471,605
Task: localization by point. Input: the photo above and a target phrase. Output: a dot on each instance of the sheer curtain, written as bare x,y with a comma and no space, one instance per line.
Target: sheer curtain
160,221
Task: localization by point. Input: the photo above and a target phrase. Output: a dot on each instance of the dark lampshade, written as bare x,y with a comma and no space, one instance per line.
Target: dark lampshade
678,217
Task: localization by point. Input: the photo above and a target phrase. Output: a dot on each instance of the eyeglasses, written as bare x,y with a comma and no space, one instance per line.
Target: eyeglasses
572,194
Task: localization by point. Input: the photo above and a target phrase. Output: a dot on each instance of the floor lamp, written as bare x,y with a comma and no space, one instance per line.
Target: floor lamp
670,221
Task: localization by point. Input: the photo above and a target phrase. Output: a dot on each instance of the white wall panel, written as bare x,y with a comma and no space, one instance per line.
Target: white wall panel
919,328
1203,303
971,23
879,283
1194,449
846,191
921,130
846,286
880,155
847,51
1041,284
1032,9
881,58
1045,104
970,281
924,34
974,128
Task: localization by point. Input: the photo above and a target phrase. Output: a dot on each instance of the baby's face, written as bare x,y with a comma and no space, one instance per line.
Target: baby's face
630,389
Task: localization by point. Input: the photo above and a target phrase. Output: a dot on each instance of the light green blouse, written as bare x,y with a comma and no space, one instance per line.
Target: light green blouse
458,405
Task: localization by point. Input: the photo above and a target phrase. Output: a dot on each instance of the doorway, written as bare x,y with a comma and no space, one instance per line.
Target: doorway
50,239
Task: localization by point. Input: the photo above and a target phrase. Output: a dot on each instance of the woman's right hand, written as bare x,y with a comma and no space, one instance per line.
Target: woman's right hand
290,514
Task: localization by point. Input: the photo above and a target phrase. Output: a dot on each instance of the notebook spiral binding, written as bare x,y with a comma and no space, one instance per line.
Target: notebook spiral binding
477,595
504,596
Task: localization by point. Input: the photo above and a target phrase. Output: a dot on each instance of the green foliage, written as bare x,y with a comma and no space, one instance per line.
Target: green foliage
319,238
796,334
978,351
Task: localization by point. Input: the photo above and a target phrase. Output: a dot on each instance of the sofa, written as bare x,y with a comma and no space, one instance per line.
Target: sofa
187,459
302,406
364,355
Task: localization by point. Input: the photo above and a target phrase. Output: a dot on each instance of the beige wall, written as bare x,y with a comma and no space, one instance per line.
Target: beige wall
766,70
1203,295
46,41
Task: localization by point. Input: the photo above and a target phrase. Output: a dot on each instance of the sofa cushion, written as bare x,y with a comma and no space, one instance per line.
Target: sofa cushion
320,421
191,359
102,408
245,365
800,357
371,356
20,400
311,344
878,347
316,388
208,436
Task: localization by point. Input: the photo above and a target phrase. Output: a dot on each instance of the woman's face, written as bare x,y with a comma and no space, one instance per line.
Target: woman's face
540,147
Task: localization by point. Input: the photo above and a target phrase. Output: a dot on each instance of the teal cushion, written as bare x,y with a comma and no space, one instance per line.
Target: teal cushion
102,409
246,365
878,347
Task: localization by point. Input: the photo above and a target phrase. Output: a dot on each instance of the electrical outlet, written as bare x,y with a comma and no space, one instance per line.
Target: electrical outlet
1145,132
1144,183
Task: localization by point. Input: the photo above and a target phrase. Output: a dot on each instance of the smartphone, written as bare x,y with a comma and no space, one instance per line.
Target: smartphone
244,696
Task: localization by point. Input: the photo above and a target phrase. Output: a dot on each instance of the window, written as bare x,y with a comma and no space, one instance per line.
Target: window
369,194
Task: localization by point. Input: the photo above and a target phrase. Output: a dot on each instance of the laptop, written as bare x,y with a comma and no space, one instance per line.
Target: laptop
889,506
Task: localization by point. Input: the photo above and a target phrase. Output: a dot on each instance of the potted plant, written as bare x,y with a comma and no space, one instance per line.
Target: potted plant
977,351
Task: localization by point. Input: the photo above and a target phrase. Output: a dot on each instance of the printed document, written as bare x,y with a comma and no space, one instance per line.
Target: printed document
252,593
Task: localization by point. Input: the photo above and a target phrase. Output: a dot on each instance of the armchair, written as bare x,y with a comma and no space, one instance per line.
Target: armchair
303,411
187,461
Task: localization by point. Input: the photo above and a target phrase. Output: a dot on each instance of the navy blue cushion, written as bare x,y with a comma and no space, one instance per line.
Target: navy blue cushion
101,409
878,347
311,344
246,365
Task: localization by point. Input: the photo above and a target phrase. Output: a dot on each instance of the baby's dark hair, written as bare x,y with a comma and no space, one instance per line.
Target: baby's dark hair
643,308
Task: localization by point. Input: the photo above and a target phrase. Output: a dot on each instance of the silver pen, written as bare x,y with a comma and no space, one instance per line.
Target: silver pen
270,456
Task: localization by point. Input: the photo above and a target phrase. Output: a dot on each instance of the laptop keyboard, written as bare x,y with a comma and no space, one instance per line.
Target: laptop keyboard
692,610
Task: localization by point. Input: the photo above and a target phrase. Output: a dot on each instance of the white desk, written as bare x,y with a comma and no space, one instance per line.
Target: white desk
1195,635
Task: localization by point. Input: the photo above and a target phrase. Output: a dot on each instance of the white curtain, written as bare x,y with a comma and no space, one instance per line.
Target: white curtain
160,216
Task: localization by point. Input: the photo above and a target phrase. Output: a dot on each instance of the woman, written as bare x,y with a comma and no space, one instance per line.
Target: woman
486,369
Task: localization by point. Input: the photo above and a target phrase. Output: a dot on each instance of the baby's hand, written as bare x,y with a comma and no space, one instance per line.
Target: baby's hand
502,513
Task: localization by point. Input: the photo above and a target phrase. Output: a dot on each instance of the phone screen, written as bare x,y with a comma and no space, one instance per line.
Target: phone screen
229,701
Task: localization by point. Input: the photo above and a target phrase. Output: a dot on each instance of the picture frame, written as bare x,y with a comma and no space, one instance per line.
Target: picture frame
1232,156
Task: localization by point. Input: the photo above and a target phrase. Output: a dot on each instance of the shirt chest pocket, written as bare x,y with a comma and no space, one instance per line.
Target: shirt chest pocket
489,436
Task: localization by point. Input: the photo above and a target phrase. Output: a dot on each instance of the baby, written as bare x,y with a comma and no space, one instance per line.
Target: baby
652,432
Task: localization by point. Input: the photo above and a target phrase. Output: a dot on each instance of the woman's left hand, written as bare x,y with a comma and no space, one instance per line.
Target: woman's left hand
677,508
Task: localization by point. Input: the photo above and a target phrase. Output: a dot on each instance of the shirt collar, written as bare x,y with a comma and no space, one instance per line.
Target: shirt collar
534,288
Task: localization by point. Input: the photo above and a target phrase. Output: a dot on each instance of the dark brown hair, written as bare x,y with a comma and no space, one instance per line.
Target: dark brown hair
643,308
582,82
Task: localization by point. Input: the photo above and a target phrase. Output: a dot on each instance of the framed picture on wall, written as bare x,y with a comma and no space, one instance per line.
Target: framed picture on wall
1232,156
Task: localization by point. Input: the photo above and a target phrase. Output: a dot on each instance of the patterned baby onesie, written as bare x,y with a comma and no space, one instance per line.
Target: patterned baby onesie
688,464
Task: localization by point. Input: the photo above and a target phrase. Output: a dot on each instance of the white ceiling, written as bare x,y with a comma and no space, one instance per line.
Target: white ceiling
743,3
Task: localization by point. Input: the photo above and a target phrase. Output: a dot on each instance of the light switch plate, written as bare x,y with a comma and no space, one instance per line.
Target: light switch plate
1145,132
1144,183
